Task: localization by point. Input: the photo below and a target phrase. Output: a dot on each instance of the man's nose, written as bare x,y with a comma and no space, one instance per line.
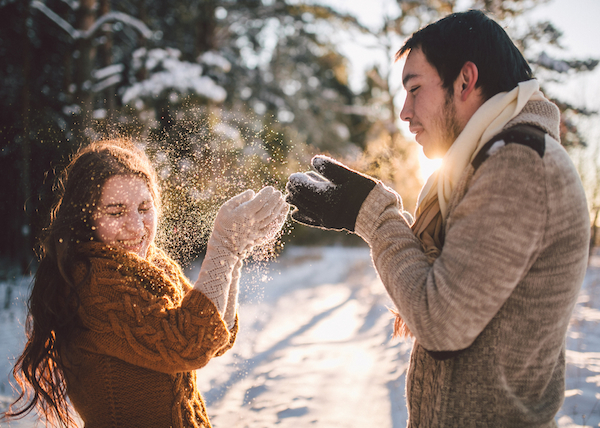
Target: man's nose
406,113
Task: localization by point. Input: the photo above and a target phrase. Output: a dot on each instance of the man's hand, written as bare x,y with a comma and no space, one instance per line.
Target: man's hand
330,199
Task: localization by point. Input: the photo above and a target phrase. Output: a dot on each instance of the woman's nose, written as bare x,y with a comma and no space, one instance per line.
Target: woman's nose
134,222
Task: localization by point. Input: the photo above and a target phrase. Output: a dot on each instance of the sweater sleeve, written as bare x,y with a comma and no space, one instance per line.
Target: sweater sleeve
122,319
492,239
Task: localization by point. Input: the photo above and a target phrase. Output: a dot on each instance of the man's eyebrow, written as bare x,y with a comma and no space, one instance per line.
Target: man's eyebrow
407,78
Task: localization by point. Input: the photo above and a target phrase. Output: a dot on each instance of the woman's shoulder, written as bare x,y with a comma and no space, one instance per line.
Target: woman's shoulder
157,273
160,257
99,255
165,262
96,260
91,263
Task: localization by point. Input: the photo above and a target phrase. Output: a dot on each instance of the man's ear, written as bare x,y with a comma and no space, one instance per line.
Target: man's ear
464,85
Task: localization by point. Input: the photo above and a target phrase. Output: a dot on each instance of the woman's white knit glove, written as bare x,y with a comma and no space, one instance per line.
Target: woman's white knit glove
243,222
232,298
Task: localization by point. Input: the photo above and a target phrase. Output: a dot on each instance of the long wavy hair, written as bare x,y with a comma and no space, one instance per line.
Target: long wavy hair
53,302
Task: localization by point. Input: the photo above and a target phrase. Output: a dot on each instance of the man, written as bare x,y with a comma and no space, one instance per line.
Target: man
487,276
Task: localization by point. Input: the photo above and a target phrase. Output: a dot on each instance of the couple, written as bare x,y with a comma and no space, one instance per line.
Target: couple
485,278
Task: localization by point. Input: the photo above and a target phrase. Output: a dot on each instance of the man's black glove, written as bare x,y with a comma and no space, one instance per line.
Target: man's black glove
330,200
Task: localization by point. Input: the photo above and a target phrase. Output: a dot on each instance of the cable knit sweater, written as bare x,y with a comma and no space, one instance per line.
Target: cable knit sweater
144,331
490,315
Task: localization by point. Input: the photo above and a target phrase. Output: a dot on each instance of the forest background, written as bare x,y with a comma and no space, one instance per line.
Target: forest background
226,95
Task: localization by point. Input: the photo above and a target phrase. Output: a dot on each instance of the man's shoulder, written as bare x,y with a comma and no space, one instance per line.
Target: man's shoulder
526,135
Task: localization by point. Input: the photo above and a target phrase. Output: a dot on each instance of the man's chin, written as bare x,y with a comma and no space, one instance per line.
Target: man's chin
432,149
431,153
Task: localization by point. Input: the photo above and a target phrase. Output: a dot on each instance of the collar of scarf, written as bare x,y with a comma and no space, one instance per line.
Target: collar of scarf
488,120
157,273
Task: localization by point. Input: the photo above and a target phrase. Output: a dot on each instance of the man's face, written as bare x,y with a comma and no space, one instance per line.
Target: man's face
429,108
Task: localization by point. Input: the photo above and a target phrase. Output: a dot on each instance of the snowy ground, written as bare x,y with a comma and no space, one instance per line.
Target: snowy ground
315,348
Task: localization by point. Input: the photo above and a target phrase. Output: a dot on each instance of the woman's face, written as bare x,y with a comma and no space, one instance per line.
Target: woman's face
125,216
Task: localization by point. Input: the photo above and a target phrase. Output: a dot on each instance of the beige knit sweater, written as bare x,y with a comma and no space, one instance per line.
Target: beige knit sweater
501,291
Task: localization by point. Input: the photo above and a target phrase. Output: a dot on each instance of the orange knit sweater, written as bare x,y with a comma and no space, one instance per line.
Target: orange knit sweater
144,331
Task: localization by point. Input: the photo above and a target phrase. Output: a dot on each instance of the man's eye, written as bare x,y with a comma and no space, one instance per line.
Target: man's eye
412,91
115,214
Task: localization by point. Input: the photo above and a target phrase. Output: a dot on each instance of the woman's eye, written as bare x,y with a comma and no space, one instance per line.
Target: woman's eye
145,208
117,214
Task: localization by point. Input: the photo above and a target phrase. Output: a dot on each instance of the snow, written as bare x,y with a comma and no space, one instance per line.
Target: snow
315,347
108,71
75,34
122,18
212,58
168,73
553,64
311,180
108,17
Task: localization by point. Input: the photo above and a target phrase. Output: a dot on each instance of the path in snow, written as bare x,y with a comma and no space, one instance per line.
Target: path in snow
316,351
582,397
315,348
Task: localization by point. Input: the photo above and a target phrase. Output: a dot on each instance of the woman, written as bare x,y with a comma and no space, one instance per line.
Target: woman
113,323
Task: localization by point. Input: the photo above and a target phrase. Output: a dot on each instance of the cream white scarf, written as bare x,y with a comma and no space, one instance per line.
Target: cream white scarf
487,121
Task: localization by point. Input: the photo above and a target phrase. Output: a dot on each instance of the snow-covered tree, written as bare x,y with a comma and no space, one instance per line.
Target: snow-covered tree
233,92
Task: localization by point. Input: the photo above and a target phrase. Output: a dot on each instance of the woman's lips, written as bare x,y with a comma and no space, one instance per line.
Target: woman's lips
133,244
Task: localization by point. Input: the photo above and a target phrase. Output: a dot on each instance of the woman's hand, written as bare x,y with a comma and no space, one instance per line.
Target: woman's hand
243,222
248,220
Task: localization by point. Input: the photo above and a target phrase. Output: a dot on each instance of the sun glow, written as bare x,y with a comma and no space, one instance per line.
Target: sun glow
427,166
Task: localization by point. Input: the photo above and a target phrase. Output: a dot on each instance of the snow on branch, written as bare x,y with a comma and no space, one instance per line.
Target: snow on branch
75,34
108,71
125,19
109,17
107,76
169,75
564,66
73,4
211,58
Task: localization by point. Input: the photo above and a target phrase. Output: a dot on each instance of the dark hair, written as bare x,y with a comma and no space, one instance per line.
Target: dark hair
471,36
53,302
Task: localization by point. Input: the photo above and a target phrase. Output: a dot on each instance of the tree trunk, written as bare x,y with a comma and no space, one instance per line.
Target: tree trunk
106,59
84,62
207,25
27,248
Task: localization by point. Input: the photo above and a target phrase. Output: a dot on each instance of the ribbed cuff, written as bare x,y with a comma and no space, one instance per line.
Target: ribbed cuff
376,202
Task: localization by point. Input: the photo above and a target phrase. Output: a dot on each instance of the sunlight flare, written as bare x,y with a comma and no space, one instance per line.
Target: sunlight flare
427,166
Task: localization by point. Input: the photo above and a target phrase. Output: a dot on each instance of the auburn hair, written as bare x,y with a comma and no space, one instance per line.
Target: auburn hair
53,302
